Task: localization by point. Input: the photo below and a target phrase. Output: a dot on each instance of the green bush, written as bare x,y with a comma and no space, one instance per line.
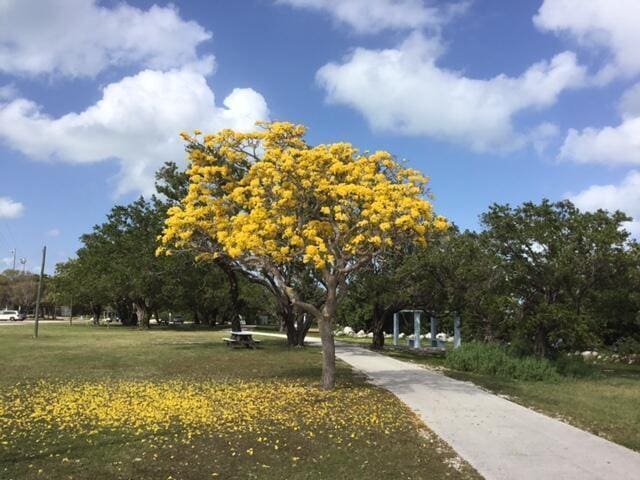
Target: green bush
493,359
628,346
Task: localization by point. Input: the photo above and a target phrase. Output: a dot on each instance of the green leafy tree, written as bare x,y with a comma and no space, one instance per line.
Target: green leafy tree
555,259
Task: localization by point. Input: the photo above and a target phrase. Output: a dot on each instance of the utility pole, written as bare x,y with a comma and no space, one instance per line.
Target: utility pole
44,255
13,252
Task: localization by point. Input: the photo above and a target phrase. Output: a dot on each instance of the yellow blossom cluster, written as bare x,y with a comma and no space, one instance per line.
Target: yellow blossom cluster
149,410
269,194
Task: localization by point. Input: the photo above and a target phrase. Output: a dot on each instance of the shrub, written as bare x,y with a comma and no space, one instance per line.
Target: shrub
628,346
493,359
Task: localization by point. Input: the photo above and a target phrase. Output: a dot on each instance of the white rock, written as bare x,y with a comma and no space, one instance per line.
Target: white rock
347,330
588,355
450,339
441,336
401,335
428,336
361,334
370,335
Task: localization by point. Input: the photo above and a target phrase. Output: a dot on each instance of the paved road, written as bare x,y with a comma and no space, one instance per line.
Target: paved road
501,439
41,322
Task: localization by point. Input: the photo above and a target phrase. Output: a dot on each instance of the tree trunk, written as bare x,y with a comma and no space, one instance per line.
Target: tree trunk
296,324
377,343
143,315
297,330
97,311
124,310
325,324
541,342
234,293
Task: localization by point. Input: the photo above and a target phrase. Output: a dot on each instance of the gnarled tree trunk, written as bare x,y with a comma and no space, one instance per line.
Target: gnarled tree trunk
142,311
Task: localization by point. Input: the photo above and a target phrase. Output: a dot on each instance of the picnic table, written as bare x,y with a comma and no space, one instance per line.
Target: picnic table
241,339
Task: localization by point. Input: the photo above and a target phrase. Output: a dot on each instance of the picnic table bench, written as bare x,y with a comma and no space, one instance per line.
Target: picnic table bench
241,339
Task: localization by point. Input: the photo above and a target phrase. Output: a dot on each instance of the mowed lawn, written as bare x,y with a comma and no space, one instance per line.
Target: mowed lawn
117,403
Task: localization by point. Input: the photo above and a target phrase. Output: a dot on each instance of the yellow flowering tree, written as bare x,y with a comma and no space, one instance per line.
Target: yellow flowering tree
266,199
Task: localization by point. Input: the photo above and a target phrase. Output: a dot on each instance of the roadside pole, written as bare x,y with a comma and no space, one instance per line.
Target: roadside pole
44,255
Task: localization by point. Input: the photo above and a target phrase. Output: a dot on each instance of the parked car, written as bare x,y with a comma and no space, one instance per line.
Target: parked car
12,315
176,320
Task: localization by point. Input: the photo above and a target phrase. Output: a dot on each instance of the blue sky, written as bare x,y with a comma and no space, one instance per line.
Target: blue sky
496,101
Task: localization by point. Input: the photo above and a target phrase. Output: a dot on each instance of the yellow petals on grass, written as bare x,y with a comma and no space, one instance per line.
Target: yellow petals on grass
188,409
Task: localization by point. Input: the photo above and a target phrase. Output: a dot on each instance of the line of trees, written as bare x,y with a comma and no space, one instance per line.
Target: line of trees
117,269
263,223
545,278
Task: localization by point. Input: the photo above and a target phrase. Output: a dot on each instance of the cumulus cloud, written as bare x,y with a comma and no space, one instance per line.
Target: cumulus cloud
612,26
618,145
624,197
404,90
373,16
137,122
10,208
80,38
54,232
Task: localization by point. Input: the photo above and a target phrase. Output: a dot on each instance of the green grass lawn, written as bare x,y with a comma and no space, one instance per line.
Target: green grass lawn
115,403
604,400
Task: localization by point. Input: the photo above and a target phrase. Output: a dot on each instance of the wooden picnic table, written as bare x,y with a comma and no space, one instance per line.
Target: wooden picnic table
241,339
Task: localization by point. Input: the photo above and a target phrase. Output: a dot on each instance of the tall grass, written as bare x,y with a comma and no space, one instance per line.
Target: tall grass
493,359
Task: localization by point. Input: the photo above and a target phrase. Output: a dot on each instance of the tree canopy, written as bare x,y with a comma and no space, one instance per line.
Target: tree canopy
267,199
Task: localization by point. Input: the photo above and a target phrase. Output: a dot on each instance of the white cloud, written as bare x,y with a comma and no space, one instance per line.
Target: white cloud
608,24
79,38
608,145
54,232
137,121
10,208
404,90
619,145
624,197
373,16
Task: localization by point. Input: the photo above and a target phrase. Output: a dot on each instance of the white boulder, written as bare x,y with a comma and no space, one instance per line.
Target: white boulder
588,355
348,331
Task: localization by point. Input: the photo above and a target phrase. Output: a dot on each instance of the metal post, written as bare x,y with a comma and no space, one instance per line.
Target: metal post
396,328
416,329
457,339
44,255
434,331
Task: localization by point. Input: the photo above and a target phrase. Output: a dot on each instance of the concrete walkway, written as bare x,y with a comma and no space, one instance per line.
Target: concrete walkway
499,438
